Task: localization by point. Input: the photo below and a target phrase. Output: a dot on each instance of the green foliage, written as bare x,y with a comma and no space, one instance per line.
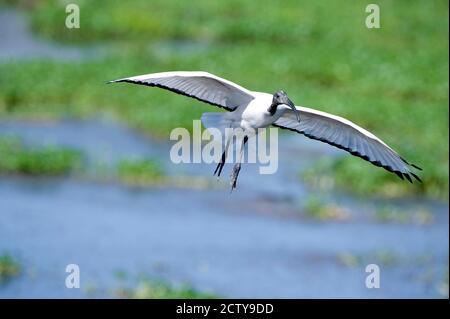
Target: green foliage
151,289
316,209
392,81
140,172
15,158
9,267
353,174
381,257
417,216
236,20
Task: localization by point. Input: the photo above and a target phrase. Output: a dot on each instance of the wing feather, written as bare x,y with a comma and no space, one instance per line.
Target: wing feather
348,136
202,86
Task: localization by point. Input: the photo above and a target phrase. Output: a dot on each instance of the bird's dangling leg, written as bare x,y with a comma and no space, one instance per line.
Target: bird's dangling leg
221,164
237,166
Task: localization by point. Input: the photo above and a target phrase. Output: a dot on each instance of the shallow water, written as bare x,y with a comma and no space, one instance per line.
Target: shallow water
17,42
253,243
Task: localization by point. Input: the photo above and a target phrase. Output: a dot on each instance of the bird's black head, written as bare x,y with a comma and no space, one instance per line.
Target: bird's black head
280,98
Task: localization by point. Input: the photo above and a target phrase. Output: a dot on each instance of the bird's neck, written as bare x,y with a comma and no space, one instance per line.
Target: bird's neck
272,108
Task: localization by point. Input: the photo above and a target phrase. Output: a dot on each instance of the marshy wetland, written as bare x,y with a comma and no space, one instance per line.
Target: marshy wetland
86,177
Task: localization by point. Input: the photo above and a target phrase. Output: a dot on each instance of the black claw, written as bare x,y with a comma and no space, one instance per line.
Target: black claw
219,166
218,169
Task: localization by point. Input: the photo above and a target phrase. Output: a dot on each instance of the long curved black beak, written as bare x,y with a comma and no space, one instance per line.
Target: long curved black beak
292,106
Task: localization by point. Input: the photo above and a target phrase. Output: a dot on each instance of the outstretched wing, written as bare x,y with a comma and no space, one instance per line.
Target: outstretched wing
202,86
348,136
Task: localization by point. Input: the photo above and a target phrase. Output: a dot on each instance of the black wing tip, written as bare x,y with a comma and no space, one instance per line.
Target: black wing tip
408,177
416,177
400,174
413,165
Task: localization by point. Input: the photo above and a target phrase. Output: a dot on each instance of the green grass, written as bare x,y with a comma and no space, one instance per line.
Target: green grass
353,174
149,172
418,216
317,209
15,158
152,289
9,267
392,81
381,257
140,172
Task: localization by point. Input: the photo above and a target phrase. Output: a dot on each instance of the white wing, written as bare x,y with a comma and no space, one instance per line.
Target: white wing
202,86
348,136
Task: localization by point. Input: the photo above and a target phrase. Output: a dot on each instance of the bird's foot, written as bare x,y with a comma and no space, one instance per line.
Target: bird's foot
234,176
218,169
219,166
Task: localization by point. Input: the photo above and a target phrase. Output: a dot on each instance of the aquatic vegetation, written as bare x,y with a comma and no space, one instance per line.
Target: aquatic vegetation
349,260
386,214
352,174
317,209
393,81
383,80
150,172
380,257
15,158
157,289
386,258
140,172
9,267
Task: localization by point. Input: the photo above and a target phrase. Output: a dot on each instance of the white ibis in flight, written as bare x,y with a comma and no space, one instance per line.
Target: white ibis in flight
250,110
